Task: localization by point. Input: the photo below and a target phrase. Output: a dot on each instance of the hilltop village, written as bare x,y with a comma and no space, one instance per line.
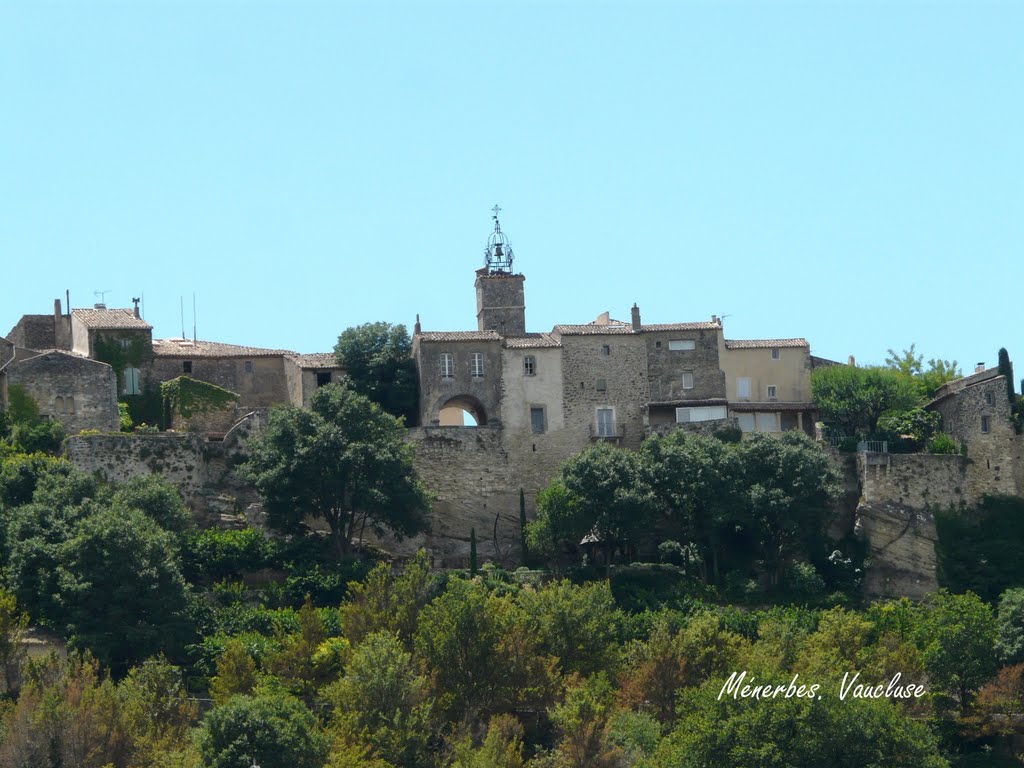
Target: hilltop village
500,408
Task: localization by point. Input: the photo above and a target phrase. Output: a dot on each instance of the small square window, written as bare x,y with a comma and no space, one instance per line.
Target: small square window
657,345
687,379
984,424
606,350
529,365
776,354
602,385
323,378
248,366
186,366
772,392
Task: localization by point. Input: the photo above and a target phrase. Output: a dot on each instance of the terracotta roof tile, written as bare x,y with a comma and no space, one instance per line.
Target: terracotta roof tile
460,336
317,360
765,343
619,328
531,341
109,319
699,326
189,348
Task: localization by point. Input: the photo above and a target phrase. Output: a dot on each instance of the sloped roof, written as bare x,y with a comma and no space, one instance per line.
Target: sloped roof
531,341
317,360
765,343
188,348
459,336
699,326
109,319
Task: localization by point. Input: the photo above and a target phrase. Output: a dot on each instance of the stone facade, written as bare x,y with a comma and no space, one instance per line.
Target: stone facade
500,303
79,393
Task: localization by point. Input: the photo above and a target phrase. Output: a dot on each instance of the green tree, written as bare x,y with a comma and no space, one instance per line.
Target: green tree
959,635
156,498
121,587
854,399
1006,369
927,380
344,461
378,363
789,484
695,480
583,721
382,702
155,709
1010,642
386,601
273,730
600,491
472,551
524,548
12,628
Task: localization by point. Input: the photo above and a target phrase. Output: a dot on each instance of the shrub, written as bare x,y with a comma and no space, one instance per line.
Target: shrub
942,444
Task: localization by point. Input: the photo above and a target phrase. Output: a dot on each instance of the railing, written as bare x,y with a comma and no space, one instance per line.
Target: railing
616,433
871,446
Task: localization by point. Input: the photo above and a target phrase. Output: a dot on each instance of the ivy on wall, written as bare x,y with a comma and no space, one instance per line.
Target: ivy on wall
184,397
114,352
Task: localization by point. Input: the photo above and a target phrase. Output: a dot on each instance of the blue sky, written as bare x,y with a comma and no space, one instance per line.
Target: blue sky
848,172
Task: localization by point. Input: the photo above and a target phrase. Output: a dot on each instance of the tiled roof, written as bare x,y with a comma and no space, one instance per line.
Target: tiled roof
317,360
109,319
688,403
460,336
531,341
189,348
701,326
617,327
764,343
770,406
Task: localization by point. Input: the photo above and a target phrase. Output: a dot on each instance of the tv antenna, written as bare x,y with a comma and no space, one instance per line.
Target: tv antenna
102,296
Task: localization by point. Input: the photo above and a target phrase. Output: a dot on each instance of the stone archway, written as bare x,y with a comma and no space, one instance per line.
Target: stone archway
462,411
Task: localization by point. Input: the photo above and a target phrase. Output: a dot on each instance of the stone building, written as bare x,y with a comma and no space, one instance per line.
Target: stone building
768,383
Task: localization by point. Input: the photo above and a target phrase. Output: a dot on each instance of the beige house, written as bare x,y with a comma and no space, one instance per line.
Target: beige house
768,383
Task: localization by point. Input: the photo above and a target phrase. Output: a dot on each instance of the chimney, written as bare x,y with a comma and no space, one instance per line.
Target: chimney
714,319
417,329
636,318
56,309
851,361
980,367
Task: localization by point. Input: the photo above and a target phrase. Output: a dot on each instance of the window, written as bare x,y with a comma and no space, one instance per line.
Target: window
988,398
69,406
323,378
681,345
131,381
477,365
776,354
657,345
706,413
687,379
602,385
766,422
186,366
537,419
743,388
125,343
447,365
606,350
606,422
984,424
772,392
529,366
248,366
746,422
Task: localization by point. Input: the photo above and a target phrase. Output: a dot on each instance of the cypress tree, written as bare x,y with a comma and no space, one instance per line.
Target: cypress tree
1006,369
522,528
472,552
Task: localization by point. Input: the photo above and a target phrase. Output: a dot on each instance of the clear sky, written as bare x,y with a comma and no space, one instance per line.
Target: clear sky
848,172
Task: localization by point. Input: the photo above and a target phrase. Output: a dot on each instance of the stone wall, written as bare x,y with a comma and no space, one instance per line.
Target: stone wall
501,304
665,366
259,381
915,479
484,393
34,332
80,393
901,549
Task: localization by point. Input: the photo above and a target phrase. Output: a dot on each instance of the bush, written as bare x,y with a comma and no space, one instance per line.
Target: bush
214,554
802,583
942,444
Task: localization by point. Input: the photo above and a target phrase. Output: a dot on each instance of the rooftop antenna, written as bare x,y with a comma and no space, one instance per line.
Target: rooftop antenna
193,317
102,296
181,301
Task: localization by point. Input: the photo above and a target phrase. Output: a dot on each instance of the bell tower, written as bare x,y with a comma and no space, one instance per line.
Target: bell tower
500,299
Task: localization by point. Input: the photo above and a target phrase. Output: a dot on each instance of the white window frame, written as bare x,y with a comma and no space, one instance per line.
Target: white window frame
743,382
529,365
682,345
772,392
606,429
476,365
687,377
701,413
447,364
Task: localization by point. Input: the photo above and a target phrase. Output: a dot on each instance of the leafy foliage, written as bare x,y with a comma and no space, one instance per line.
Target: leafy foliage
344,461
978,549
854,399
378,364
